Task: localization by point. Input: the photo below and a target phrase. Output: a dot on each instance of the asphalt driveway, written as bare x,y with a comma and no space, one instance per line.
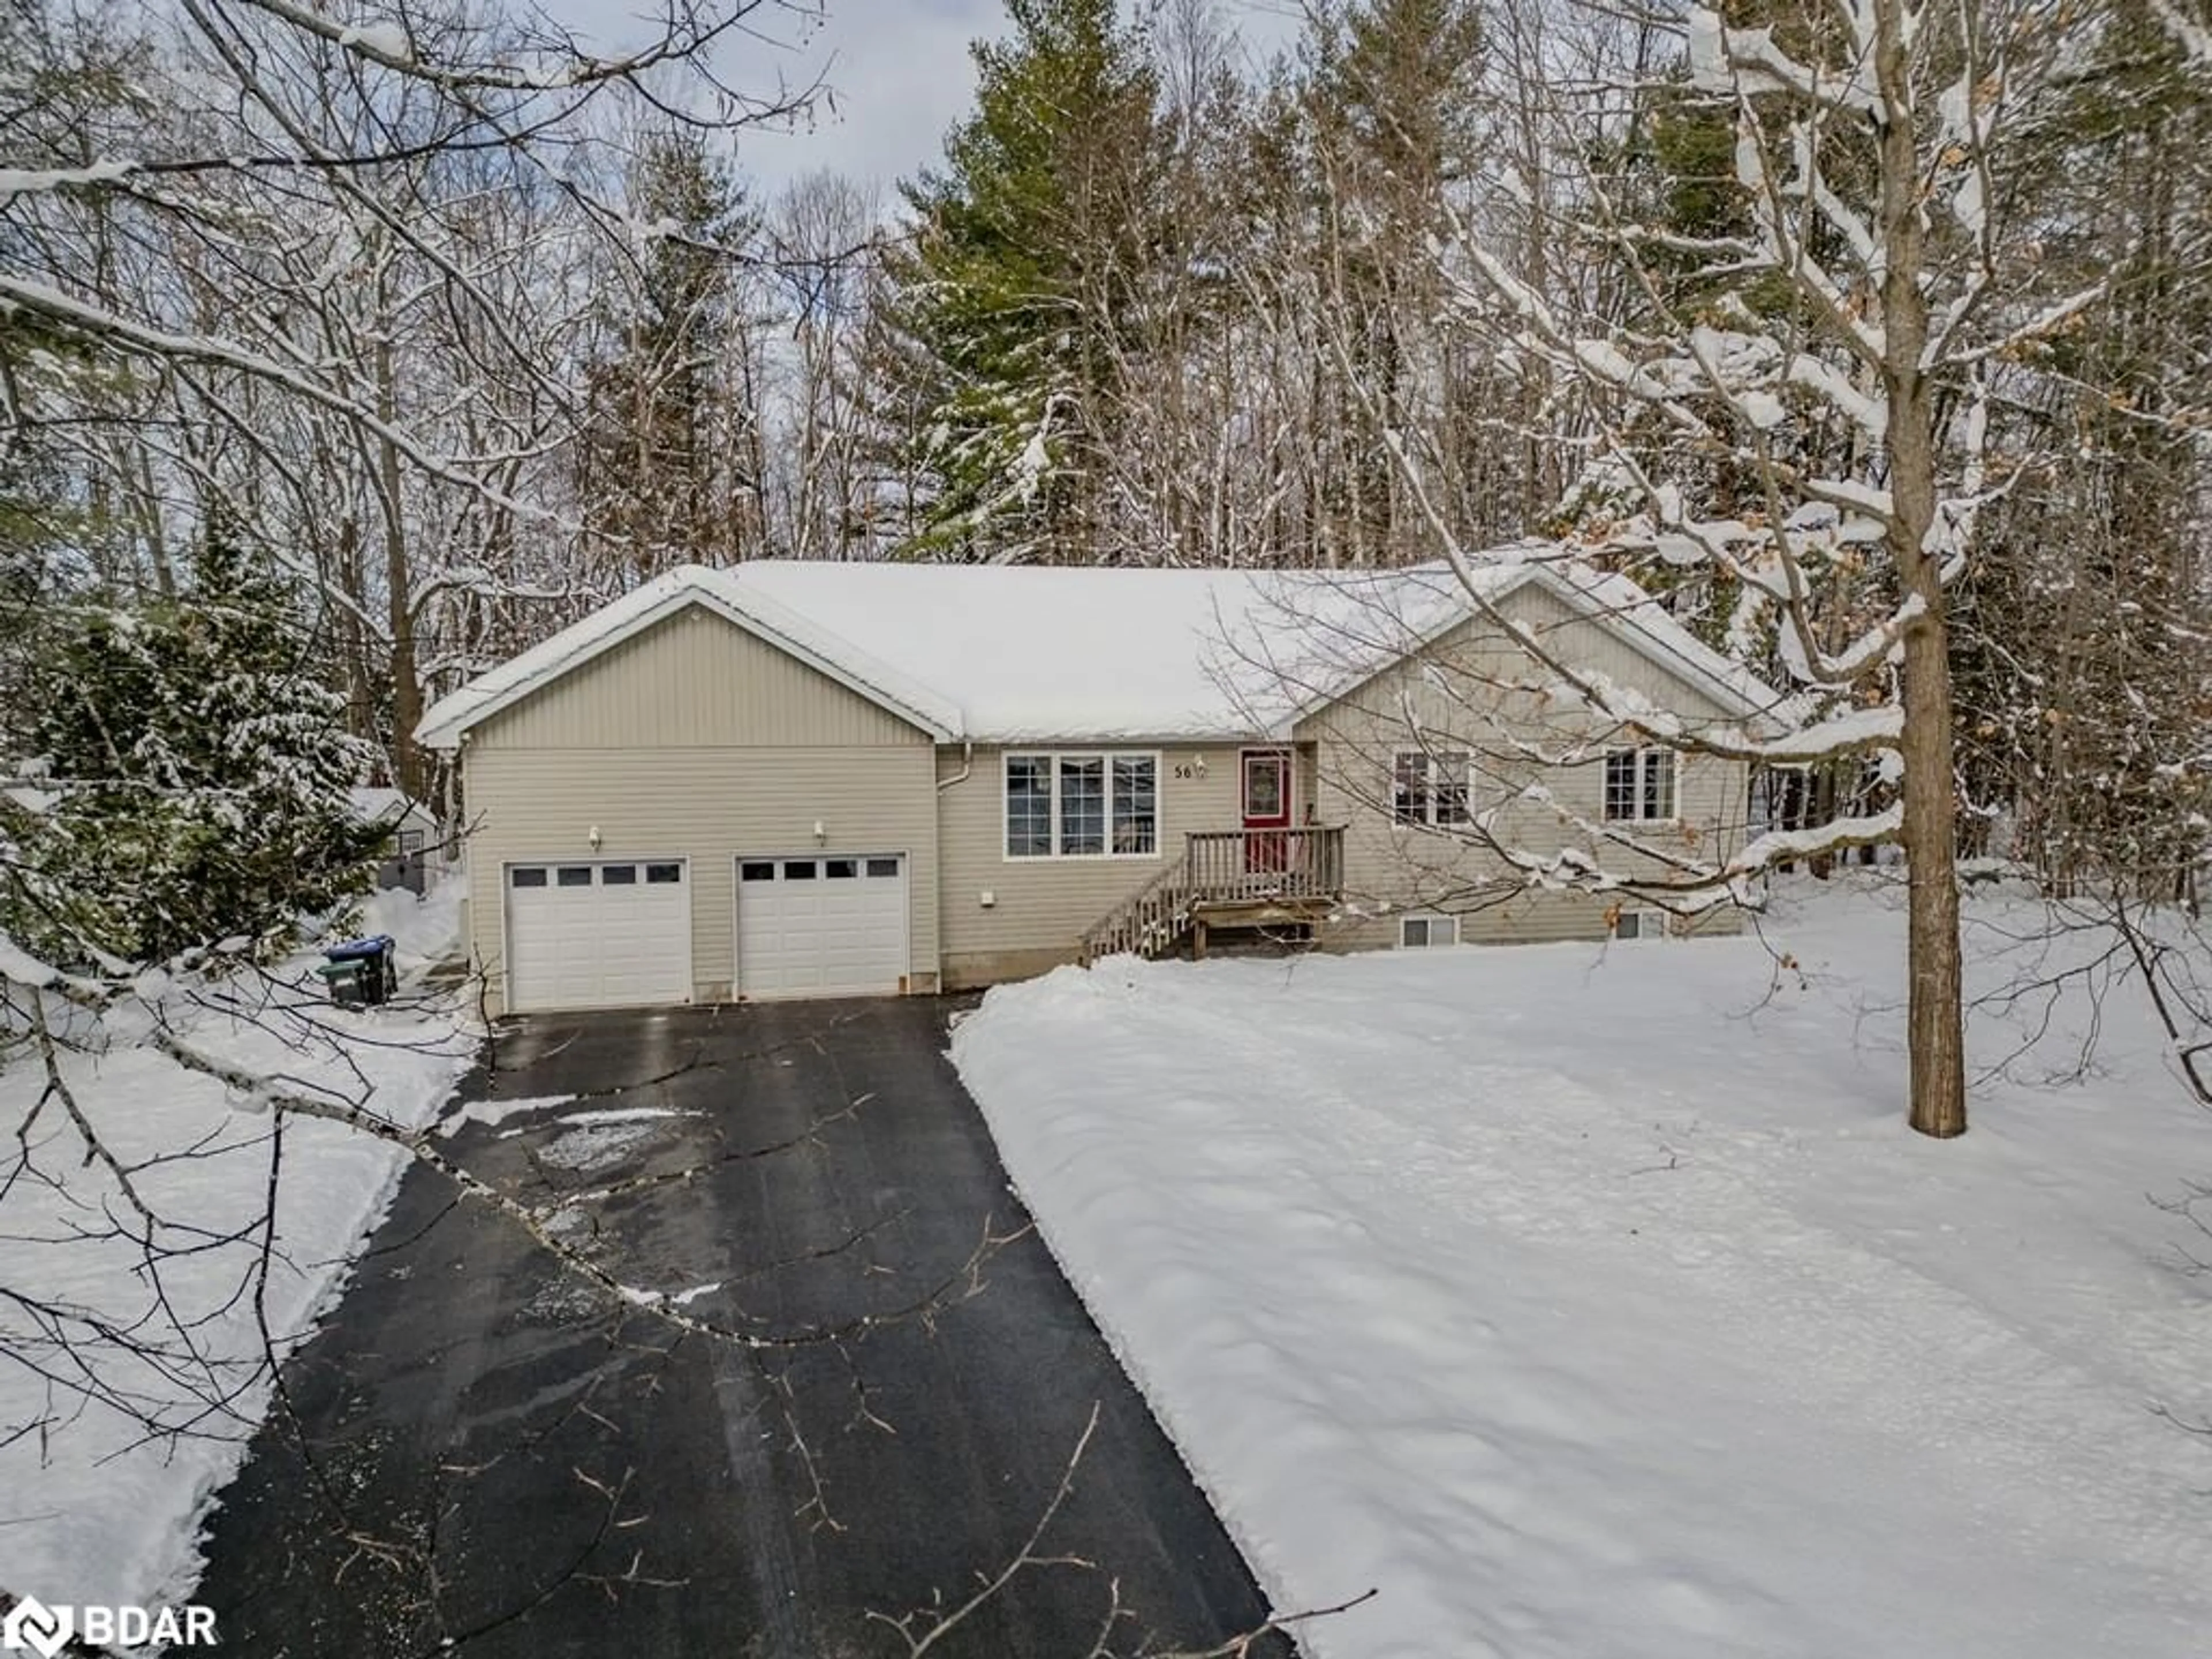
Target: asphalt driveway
483,1453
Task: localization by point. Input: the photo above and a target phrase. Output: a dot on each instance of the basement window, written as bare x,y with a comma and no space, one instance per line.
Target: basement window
1421,932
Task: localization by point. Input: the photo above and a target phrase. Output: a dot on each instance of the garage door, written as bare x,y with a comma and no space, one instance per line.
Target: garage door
605,934
833,925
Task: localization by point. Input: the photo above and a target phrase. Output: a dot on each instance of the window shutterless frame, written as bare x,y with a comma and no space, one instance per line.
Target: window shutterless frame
1426,930
1431,789
1051,800
1641,786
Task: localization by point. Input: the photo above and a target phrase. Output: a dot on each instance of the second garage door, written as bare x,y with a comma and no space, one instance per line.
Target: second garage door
830,925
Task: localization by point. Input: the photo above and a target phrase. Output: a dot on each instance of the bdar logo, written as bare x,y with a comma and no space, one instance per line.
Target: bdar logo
33,1627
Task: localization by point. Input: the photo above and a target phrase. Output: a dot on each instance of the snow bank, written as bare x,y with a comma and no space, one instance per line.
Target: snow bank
1591,1304
90,1510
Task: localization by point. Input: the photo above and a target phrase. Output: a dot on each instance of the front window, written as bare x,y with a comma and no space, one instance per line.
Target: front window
1086,806
1082,806
1029,806
1429,786
1639,785
1136,804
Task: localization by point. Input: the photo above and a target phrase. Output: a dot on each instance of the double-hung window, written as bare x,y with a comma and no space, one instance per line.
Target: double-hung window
1082,806
1429,786
1639,785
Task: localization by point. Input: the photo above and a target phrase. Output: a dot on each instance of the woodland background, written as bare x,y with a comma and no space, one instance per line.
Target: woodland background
442,329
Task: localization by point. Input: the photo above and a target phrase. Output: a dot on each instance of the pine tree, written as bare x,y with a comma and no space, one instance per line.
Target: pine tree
1391,108
1017,295
670,463
197,768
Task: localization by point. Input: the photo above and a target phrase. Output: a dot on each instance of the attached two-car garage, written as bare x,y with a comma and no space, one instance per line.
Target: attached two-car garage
615,933
683,799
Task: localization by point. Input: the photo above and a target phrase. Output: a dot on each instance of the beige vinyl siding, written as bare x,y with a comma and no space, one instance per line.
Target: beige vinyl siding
695,680
698,741
1042,906
1469,685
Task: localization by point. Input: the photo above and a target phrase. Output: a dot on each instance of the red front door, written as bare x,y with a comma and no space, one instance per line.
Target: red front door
1267,807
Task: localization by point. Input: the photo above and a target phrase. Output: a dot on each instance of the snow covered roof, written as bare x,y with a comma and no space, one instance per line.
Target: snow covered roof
379,805
746,604
1023,653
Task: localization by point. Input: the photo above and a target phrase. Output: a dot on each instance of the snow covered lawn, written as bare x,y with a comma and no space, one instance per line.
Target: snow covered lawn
91,1510
1593,1306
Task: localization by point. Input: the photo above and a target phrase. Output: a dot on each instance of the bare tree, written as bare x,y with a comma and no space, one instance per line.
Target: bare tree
325,271
1875,279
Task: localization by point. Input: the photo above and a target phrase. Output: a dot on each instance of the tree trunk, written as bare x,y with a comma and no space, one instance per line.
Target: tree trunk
1935,1040
406,685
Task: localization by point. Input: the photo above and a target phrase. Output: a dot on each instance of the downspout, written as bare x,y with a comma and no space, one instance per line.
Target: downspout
967,765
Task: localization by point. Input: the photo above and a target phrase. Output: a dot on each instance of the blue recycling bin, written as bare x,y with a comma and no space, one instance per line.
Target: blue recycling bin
360,970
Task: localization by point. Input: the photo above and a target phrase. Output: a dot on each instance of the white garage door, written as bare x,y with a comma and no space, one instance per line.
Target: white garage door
832,925
604,935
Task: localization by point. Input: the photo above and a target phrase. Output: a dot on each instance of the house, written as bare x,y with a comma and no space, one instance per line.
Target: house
413,855
811,779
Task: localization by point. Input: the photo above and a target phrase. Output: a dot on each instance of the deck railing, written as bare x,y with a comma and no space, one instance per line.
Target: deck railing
1221,868
1233,865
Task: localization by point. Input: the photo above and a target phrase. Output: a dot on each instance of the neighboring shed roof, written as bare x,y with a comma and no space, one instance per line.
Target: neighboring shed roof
374,805
1023,653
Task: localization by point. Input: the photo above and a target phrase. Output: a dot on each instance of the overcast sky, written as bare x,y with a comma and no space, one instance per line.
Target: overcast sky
898,73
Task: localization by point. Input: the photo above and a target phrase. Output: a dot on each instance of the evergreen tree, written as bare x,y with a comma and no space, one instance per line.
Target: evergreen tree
1017,293
671,461
1391,102
195,771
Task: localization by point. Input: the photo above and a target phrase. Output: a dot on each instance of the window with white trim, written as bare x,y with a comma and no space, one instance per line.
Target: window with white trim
1639,925
1429,786
1082,806
1420,933
1639,785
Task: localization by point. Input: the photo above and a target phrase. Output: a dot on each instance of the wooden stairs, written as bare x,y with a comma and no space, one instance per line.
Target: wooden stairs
1226,878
